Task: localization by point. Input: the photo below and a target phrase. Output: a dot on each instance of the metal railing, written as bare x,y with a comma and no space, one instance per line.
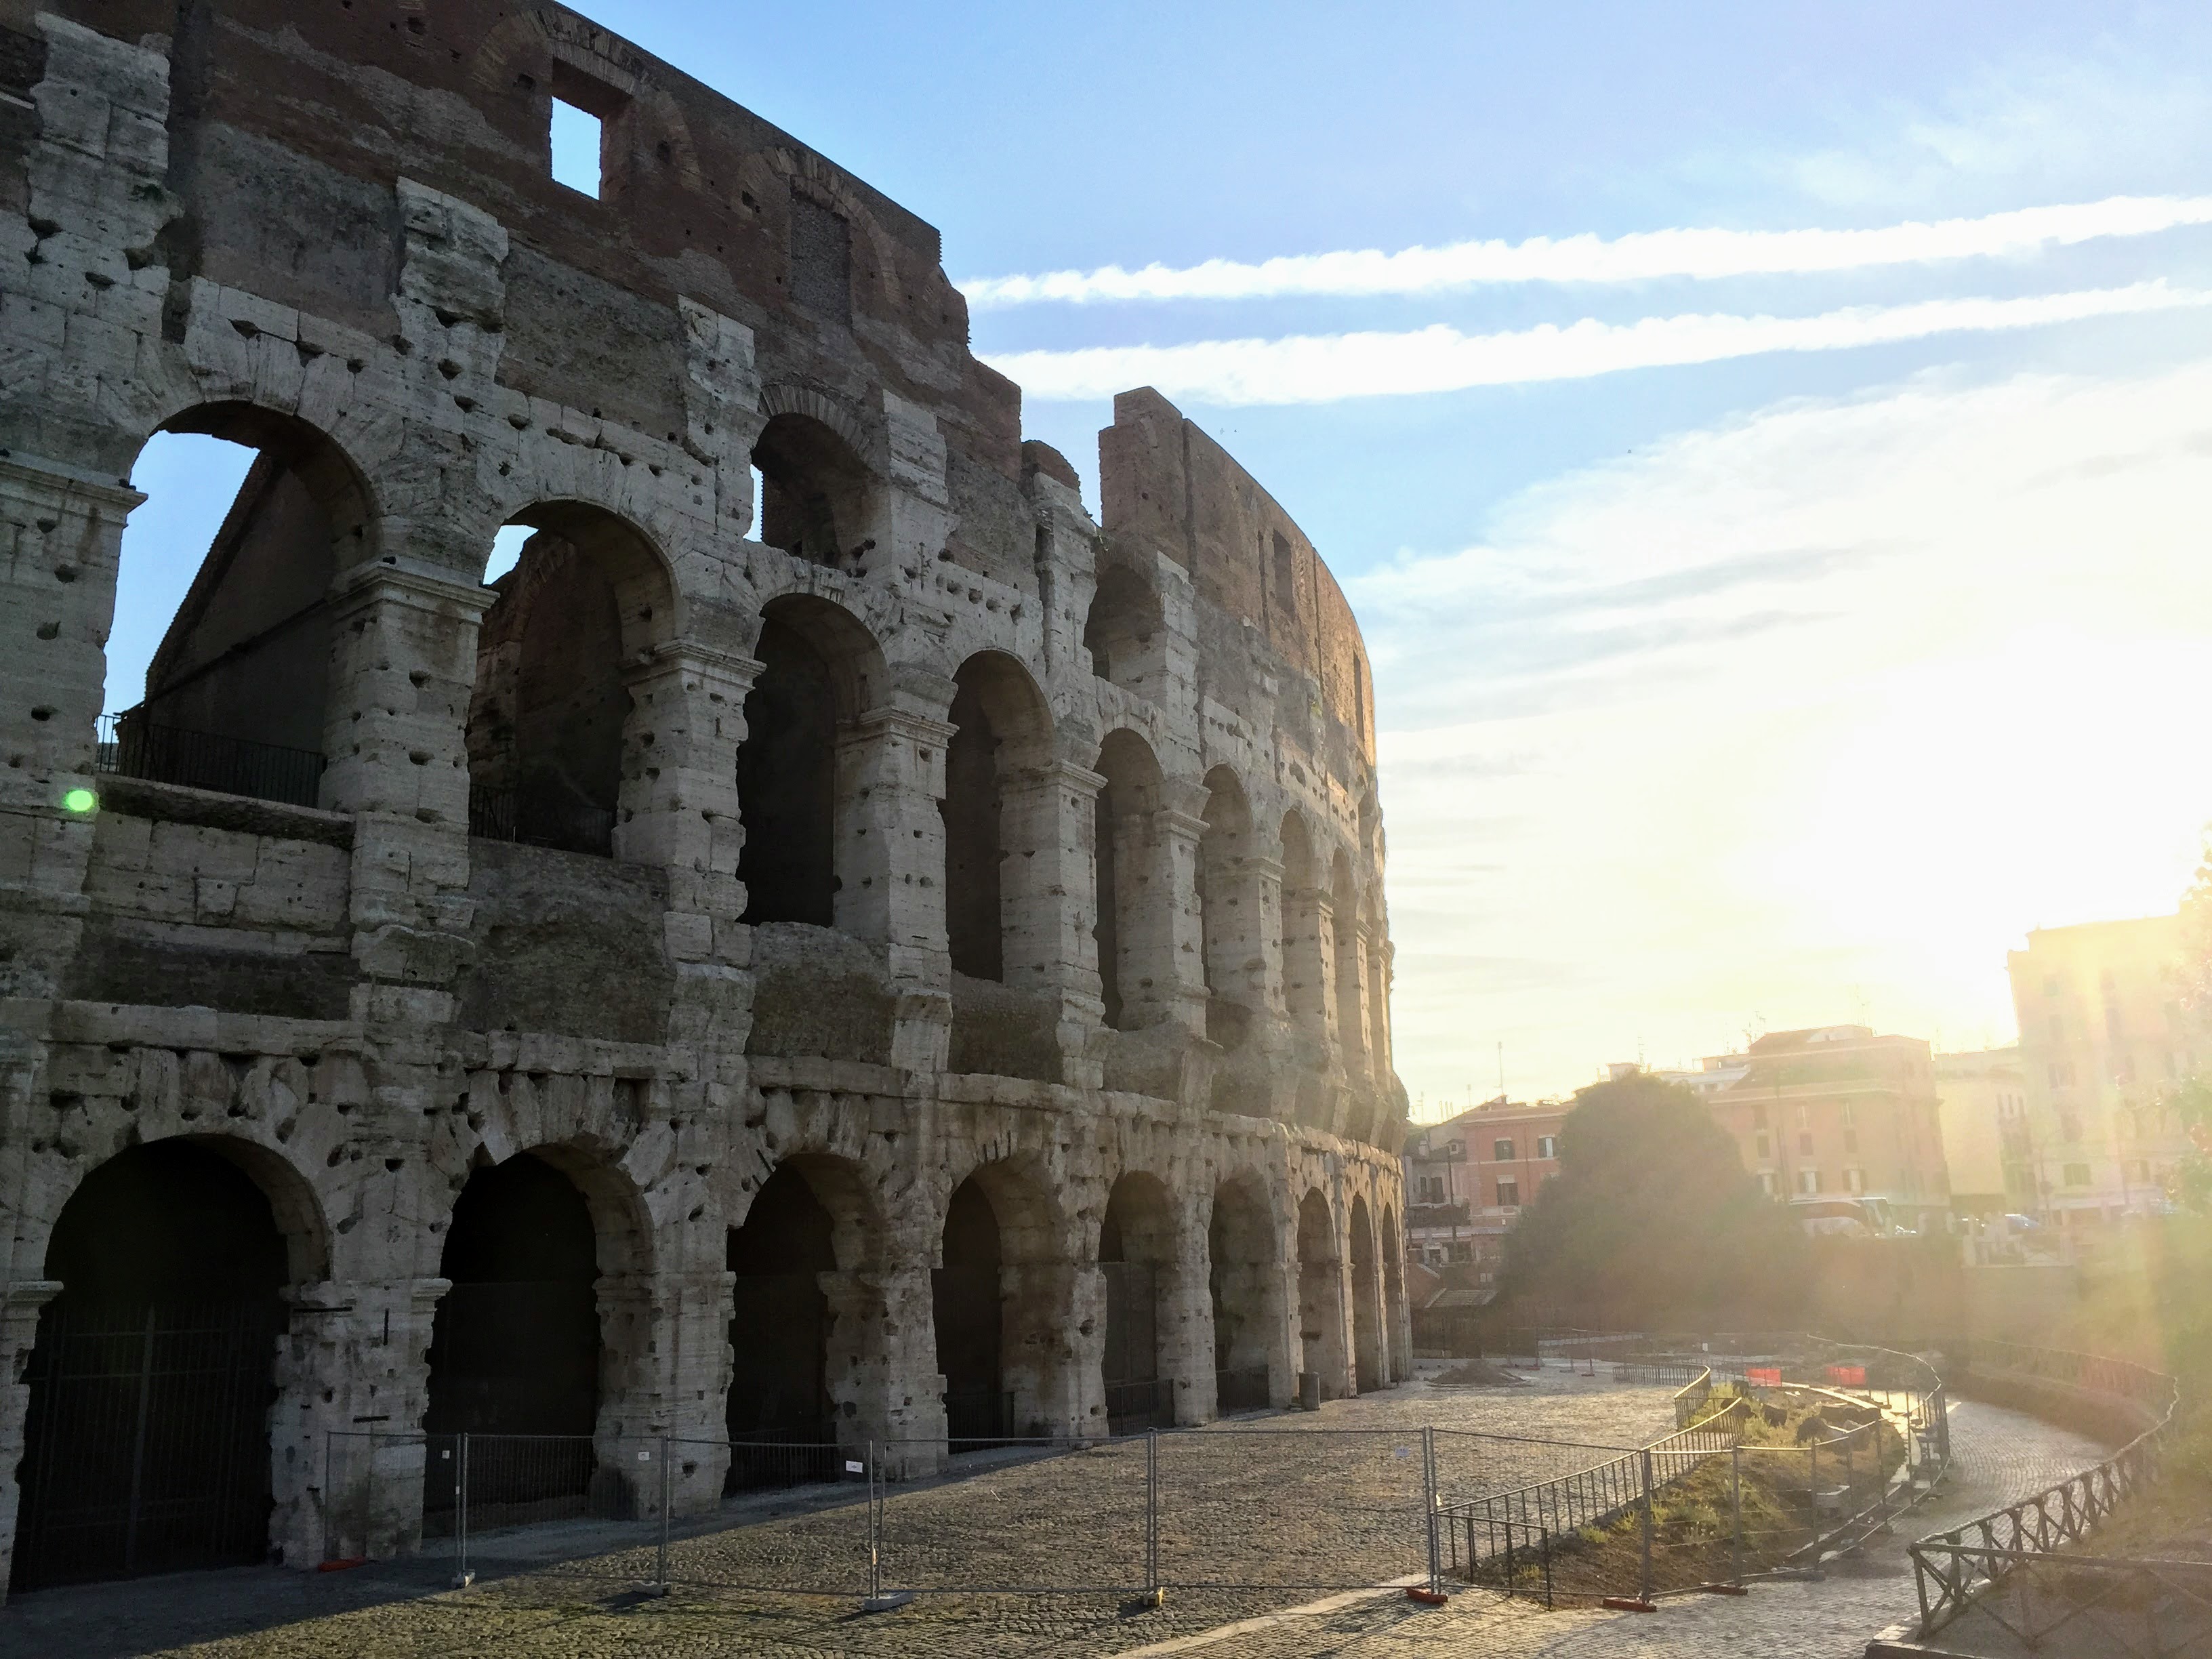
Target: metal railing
2010,1566
533,819
131,745
1148,1403
1241,1388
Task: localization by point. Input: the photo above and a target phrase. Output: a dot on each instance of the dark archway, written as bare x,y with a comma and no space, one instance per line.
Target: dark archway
1002,725
779,1337
548,720
1367,1374
816,495
146,1446
1131,926
787,783
1320,1294
1240,1242
514,1346
1136,1245
966,1300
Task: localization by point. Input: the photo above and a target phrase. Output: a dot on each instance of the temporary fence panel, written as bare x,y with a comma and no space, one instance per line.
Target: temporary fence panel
1307,1509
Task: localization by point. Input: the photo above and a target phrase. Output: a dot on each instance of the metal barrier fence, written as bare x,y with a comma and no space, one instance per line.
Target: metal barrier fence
1289,1504
2007,1567
540,818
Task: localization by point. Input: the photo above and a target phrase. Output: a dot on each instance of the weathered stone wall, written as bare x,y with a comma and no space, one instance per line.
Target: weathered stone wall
373,280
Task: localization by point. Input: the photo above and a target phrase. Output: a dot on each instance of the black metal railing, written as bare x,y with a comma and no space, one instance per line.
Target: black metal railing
534,819
1133,1406
976,1418
131,745
763,1460
1241,1388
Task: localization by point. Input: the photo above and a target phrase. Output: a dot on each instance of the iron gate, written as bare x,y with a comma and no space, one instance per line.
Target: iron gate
147,1445
1136,1397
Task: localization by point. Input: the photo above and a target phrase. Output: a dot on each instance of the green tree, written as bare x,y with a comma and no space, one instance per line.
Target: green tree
2190,1099
1651,1210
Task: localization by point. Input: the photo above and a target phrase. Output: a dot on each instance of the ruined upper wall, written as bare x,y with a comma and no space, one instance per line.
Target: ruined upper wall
1162,482
323,107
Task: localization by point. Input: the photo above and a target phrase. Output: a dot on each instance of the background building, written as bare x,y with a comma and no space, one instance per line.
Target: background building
1835,1110
2102,1032
1983,1105
1468,1178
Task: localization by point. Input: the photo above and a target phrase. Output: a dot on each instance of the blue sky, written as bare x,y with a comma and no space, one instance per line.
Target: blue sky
1763,687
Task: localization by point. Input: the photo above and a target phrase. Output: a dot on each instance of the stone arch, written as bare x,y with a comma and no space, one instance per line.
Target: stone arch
1134,928
1320,1296
555,744
1137,1259
807,1324
820,669
1306,942
238,692
171,1258
1125,630
1245,1292
1001,1295
1367,1344
820,501
1002,728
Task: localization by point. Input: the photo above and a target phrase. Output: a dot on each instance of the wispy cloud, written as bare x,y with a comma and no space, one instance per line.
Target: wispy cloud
1638,257
1324,368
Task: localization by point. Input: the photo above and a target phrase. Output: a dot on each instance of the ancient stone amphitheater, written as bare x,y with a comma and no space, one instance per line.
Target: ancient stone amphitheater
836,946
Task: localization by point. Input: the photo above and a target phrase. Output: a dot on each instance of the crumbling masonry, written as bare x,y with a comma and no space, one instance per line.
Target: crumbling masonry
907,961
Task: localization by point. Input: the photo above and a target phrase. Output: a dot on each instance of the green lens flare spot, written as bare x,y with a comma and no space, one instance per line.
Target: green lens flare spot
80,800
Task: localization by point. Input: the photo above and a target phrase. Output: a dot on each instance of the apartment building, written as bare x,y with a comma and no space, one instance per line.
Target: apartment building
1983,1097
1467,1178
2102,1034
1835,1110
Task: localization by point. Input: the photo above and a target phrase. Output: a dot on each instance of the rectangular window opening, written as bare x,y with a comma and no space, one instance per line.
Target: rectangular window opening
578,138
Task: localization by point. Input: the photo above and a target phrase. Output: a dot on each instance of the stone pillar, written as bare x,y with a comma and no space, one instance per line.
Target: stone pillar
891,869
21,1301
663,1341
1178,833
403,664
1308,943
1243,933
60,531
1052,1332
1378,1005
1352,996
1185,1316
898,1400
1047,888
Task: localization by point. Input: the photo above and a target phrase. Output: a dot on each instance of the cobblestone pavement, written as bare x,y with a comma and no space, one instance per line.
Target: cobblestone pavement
1256,1516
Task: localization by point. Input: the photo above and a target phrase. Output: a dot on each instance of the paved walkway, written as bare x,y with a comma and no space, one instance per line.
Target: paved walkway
1268,1521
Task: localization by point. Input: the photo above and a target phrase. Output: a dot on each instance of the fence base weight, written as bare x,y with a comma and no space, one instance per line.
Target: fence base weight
1628,1604
889,1601
1427,1598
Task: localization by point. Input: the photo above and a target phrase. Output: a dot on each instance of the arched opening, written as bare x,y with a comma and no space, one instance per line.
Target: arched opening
249,518
550,718
1124,632
1229,907
1320,1296
817,497
1241,1277
779,1329
514,1345
1350,975
1132,925
1136,1247
1366,1306
1000,725
146,1445
965,1302
1394,1296
819,667
1305,971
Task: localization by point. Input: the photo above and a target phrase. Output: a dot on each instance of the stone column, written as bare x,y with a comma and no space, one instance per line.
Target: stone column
891,869
1378,1018
1352,996
21,1303
60,531
1178,832
403,664
1047,888
1308,945
1185,1313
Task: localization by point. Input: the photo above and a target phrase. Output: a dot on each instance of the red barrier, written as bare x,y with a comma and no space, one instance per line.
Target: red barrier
1764,1375
1847,1376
